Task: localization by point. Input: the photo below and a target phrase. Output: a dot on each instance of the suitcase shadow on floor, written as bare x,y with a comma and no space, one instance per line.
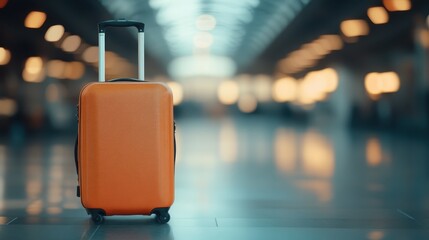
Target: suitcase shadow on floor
133,228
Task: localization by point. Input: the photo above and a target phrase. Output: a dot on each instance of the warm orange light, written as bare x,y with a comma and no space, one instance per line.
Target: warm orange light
285,150
54,33
71,43
387,82
391,82
90,55
3,3
4,56
378,15
112,59
33,70
8,107
316,48
302,55
247,103
423,36
314,85
376,235
284,90
55,69
354,28
372,85
35,208
34,65
74,70
374,154
228,92
35,19
317,155
177,90
330,78
305,93
331,42
309,53
397,5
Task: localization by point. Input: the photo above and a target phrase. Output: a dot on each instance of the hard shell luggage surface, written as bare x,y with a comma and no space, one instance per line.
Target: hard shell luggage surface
126,147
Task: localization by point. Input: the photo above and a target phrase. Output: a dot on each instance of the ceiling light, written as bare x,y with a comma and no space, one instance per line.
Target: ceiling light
316,48
391,82
331,42
228,92
378,15
33,70
285,89
33,65
354,28
247,103
397,5
54,33
90,55
4,56
71,43
35,19
372,85
387,82
331,79
231,23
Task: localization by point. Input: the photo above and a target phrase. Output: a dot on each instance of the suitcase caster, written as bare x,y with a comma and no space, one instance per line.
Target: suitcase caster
97,218
162,216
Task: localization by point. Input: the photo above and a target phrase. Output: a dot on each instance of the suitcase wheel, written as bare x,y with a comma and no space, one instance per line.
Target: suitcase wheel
97,218
162,216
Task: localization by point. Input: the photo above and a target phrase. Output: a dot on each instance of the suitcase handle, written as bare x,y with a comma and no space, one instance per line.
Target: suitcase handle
120,23
102,45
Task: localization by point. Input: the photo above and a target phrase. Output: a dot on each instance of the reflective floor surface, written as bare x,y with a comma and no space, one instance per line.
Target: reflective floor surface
237,178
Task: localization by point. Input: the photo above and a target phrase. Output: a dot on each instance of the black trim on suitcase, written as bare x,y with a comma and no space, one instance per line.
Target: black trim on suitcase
97,215
162,215
120,23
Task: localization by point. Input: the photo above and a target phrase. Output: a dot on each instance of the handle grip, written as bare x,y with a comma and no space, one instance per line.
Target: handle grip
120,23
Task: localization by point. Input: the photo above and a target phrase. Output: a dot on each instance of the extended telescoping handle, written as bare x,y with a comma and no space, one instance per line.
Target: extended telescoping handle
102,45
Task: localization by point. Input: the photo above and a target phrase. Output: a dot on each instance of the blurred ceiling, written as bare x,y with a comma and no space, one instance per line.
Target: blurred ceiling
194,30
212,37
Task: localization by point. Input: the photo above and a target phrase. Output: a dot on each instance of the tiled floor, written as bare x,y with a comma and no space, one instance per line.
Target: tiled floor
247,178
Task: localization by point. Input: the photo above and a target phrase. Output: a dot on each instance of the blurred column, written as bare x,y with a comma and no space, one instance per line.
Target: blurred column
420,72
342,99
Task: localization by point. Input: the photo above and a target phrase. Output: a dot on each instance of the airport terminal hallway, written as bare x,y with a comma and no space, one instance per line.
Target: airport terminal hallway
237,178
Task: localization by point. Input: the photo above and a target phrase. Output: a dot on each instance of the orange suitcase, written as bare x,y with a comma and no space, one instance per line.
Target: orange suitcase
126,146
